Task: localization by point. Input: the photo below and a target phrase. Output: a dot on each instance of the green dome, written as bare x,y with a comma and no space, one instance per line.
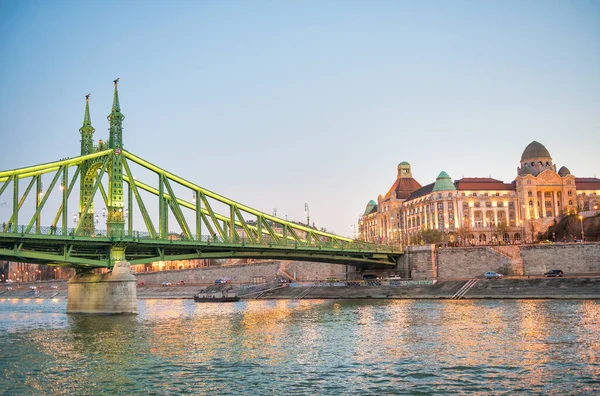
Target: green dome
403,163
371,207
443,182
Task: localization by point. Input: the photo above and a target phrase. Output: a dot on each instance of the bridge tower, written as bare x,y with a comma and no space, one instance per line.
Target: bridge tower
116,216
88,173
113,292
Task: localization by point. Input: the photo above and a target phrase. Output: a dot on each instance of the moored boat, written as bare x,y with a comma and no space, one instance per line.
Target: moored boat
216,297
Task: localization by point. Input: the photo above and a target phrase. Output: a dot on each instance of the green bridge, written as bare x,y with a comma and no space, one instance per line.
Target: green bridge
136,221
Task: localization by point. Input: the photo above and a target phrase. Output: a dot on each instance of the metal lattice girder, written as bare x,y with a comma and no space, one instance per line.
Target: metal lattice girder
230,233
203,194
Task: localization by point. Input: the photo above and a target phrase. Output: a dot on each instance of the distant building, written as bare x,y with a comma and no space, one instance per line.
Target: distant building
479,210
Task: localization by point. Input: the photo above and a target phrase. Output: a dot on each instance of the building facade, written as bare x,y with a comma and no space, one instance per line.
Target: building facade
473,211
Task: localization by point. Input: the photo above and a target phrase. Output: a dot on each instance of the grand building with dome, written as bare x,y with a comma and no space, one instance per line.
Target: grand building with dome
473,210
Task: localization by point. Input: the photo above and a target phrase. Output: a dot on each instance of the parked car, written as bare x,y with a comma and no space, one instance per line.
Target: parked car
166,284
8,288
181,283
32,288
140,284
552,273
492,275
393,277
53,287
370,277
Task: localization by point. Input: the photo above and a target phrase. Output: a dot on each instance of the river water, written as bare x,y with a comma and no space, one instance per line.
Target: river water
307,347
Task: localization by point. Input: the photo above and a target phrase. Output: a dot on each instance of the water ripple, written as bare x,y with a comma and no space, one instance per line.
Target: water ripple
304,347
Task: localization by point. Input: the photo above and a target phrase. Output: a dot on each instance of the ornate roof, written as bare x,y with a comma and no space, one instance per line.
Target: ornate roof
403,187
564,171
443,182
371,207
535,150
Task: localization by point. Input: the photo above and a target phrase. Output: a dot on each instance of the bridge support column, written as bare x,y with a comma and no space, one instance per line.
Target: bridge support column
111,293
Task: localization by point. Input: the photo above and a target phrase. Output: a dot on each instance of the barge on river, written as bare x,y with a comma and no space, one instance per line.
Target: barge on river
223,296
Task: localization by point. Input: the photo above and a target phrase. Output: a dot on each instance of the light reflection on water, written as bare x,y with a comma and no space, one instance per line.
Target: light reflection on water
303,347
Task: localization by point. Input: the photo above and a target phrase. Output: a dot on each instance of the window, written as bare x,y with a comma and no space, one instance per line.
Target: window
500,204
497,194
463,194
474,194
570,202
529,194
547,194
488,204
440,206
570,193
477,204
485,195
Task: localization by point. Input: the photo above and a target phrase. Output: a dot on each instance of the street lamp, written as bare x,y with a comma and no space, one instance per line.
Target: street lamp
582,235
306,211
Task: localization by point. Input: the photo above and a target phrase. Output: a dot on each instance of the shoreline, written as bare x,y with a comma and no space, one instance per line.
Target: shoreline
503,289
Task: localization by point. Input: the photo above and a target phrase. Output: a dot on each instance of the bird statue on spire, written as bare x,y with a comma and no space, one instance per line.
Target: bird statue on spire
116,81
87,97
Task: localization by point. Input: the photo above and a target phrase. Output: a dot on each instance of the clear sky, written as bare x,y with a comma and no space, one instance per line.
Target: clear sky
279,103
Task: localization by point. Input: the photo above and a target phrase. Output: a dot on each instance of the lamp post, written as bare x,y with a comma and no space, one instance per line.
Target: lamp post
582,235
306,211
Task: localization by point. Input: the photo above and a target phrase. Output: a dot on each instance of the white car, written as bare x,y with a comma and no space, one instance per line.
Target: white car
393,278
166,283
53,287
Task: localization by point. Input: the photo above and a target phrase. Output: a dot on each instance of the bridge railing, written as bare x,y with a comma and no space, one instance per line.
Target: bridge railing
50,231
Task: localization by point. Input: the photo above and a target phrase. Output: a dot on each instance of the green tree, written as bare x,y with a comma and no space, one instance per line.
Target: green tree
430,236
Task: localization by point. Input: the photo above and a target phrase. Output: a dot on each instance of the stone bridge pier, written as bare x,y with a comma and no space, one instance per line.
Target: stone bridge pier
103,294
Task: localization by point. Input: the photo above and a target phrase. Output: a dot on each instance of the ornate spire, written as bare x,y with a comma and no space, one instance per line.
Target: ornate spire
87,130
116,121
116,108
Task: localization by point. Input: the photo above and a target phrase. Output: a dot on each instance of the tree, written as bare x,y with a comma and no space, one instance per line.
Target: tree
430,236
501,229
464,234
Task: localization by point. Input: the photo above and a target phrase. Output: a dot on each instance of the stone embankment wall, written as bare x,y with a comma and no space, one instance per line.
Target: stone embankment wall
427,262
247,273
571,258
540,288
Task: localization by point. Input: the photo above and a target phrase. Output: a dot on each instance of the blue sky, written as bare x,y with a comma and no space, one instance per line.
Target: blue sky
279,103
